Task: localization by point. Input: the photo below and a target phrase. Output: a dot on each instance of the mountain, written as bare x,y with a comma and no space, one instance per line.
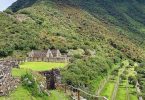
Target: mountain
126,14
114,29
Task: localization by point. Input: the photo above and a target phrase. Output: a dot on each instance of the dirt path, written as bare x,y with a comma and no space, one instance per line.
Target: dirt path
138,90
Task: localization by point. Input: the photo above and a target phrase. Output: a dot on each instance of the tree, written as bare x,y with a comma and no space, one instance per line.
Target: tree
132,80
115,72
123,76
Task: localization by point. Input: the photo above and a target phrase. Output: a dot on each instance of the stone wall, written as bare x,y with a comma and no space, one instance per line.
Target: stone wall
53,77
53,59
7,82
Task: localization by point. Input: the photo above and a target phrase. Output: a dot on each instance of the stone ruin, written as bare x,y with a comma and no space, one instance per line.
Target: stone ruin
53,78
7,82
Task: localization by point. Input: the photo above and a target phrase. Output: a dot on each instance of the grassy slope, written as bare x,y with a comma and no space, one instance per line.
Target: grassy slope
121,94
50,27
108,89
58,95
117,14
18,94
132,93
21,93
41,66
18,72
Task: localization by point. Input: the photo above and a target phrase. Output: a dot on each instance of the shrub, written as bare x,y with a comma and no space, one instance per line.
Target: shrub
132,80
32,85
123,76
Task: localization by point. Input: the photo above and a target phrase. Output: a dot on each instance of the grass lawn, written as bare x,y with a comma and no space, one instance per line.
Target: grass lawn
20,94
18,72
121,94
132,93
95,84
23,94
57,95
108,89
42,66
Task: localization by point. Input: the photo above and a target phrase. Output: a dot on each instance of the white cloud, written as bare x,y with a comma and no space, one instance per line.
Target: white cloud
4,4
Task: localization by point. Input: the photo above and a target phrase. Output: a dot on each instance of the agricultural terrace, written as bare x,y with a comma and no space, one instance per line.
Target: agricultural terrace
124,90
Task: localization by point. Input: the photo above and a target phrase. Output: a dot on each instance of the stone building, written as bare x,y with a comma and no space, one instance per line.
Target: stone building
47,55
7,82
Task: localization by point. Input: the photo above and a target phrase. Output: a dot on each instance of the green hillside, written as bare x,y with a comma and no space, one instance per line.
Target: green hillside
39,24
114,29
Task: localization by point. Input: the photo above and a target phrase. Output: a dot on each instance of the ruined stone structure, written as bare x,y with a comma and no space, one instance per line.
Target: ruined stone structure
7,82
53,77
47,55
14,62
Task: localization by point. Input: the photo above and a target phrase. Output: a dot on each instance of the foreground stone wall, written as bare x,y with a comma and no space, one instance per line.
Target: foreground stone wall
7,82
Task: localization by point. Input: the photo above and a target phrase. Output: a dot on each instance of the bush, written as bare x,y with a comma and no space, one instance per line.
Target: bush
115,72
132,80
32,85
125,72
78,52
123,76
82,72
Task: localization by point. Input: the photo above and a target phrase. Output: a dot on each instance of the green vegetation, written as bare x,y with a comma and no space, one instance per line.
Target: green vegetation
58,95
113,29
18,72
35,66
41,66
131,87
108,89
34,83
85,72
20,93
125,90
122,94
95,83
29,87
140,77
132,93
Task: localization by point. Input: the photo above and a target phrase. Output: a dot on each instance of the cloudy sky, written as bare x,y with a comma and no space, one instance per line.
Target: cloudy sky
5,4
